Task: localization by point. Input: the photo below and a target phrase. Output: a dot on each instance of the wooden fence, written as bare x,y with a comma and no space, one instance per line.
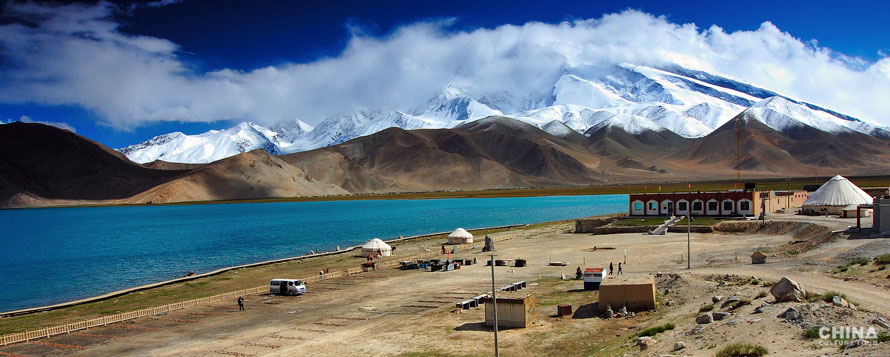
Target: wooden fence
230,296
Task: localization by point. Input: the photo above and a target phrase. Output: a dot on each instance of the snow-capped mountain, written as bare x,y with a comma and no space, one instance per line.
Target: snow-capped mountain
217,144
636,98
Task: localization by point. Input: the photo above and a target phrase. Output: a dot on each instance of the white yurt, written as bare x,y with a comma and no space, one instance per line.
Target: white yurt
460,236
835,197
376,245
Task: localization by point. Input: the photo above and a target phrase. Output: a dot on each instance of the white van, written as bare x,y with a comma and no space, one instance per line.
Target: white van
287,287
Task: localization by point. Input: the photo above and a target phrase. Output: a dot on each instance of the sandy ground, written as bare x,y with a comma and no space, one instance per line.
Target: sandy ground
392,312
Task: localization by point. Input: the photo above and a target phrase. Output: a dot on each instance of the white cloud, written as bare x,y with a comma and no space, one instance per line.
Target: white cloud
27,119
162,3
77,56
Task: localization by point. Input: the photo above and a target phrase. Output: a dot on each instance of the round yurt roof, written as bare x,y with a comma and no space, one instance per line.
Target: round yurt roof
375,244
838,191
460,233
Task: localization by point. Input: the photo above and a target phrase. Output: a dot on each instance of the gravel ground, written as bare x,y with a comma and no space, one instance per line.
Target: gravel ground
868,250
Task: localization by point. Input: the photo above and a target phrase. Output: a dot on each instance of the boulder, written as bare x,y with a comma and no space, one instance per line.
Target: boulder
791,314
679,346
839,301
704,319
645,342
788,290
730,300
716,298
718,315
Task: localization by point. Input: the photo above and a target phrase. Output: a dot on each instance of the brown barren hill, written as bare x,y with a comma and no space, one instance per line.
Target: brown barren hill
795,152
254,174
495,152
43,162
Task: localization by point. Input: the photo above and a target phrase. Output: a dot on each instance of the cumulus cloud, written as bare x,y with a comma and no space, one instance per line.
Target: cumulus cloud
27,119
76,55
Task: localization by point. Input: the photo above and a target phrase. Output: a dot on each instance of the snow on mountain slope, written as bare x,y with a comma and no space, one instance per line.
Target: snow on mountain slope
571,89
689,103
782,114
454,105
202,148
558,128
633,124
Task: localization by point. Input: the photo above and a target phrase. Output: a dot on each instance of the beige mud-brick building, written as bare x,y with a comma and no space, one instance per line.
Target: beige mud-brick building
637,292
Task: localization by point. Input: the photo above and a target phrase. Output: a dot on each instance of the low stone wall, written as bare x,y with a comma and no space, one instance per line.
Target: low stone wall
644,229
693,229
618,230
588,225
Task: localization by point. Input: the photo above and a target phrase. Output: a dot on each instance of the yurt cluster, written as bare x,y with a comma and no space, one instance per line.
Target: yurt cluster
378,248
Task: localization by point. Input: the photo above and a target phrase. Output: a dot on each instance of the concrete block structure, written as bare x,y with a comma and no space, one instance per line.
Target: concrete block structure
637,292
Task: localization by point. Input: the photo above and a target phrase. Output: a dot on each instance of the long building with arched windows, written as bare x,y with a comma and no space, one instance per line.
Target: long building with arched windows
715,203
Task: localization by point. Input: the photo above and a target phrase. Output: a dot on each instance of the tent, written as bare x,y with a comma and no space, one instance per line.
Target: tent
374,245
834,196
460,236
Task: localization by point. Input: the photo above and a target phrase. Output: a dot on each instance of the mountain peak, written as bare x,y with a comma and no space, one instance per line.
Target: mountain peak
637,98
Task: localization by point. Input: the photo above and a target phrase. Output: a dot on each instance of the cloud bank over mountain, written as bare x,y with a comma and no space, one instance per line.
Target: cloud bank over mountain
77,55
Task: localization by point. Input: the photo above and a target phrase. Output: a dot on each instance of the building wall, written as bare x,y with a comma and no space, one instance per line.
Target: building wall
512,313
881,217
723,203
636,297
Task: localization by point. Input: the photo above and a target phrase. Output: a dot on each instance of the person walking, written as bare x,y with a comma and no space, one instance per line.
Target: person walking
240,303
619,267
610,268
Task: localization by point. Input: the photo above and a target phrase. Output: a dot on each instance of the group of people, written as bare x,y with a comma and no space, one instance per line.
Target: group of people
611,268
579,274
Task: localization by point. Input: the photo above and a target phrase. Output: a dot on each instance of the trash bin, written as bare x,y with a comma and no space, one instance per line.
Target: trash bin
564,310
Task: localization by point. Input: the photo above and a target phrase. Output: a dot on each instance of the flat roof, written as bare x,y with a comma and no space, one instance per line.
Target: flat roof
594,270
636,279
511,296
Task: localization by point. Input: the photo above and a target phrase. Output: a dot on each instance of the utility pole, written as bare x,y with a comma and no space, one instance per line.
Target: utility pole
494,303
688,238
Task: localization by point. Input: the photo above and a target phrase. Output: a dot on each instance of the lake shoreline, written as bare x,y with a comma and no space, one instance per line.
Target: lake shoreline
184,279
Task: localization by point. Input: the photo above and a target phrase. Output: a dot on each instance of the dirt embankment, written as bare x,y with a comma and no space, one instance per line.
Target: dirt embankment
804,235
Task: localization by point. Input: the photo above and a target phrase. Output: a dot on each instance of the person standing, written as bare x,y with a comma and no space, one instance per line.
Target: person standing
240,303
610,268
619,267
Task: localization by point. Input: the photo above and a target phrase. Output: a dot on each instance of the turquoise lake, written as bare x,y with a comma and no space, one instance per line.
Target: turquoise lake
55,255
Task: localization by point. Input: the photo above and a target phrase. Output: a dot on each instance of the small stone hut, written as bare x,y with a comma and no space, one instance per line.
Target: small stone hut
637,292
515,309
460,236
758,258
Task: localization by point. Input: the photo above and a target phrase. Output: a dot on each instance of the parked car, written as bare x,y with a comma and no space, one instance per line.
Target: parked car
287,287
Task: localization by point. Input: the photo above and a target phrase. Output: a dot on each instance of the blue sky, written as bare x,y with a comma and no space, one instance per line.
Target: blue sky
190,66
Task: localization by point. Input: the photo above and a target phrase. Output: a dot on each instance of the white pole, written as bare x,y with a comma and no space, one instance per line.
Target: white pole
494,302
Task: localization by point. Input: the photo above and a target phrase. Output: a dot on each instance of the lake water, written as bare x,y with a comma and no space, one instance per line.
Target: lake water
61,254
